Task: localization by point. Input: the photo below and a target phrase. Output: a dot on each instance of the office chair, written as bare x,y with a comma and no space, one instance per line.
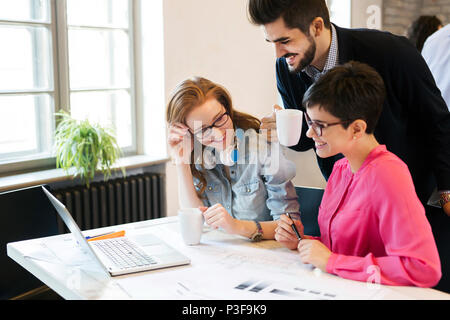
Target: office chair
309,199
24,214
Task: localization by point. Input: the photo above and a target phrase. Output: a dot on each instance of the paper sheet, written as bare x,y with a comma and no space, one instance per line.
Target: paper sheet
222,264
213,282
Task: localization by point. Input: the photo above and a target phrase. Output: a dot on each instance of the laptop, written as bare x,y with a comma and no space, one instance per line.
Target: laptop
119,256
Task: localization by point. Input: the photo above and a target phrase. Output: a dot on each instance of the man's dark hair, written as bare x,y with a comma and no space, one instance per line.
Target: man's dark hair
295,13
349,92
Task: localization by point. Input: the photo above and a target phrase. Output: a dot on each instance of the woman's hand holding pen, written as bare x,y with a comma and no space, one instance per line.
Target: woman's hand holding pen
180,143
286,235
310,250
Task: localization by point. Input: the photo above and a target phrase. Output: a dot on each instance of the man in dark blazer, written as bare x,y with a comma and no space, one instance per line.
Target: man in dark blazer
415,122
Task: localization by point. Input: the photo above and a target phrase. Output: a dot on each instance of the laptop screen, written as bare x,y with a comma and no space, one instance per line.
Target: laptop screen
73,227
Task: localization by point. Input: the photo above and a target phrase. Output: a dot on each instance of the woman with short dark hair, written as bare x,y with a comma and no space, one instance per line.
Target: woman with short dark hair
372,224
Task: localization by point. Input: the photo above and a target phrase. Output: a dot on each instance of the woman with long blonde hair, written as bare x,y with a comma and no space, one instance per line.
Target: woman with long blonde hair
235,193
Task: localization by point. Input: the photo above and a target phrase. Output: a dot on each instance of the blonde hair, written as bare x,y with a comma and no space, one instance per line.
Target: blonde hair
192,93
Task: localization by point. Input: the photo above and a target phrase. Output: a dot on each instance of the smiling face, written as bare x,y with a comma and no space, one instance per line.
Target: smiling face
334,139
209,113
298,48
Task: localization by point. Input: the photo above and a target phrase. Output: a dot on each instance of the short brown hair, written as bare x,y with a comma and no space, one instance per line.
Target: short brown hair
295,13
349,92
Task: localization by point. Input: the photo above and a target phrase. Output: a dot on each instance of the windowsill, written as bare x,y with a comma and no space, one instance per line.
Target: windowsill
54,175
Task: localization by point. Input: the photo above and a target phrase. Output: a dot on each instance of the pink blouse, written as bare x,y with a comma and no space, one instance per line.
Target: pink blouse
375,225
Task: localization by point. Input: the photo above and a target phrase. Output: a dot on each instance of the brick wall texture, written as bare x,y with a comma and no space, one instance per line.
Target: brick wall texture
399,14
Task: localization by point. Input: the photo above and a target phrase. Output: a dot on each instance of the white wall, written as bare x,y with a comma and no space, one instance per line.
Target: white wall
214,39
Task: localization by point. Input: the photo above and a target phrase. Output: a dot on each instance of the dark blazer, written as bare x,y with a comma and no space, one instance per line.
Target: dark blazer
415,121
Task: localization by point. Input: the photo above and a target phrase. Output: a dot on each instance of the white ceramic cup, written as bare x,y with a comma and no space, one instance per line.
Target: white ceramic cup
191,225
289,126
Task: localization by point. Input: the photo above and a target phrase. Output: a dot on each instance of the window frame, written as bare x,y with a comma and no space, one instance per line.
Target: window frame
59,89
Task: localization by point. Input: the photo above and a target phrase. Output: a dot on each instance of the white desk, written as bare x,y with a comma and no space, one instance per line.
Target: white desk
222,266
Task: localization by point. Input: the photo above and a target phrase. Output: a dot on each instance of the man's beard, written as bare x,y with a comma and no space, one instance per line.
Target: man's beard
308,57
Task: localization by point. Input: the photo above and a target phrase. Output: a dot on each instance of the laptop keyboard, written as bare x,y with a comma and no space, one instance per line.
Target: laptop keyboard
123,253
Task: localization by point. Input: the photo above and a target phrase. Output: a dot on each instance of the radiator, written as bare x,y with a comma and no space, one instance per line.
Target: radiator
134,198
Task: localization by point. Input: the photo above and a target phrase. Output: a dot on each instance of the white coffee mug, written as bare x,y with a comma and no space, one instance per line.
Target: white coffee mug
191,225
289,126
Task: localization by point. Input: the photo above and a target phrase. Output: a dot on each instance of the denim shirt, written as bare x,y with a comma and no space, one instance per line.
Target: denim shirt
257,190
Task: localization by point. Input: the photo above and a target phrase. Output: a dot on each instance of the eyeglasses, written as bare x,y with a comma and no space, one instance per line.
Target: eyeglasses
319,126
206,132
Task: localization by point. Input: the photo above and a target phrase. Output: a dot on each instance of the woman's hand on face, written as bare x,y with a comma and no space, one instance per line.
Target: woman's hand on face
284,233
181,143
217,216
314,252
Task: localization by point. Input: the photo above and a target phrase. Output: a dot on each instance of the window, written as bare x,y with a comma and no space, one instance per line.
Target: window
26,80
99,46
340,12
74,55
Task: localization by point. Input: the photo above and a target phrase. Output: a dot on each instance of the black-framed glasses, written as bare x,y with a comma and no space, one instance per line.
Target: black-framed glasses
319,126
206,132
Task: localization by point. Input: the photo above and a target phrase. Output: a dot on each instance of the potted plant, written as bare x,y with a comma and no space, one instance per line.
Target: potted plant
86,147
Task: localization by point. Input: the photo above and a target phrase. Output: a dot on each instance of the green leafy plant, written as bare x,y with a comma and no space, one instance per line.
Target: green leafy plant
86,147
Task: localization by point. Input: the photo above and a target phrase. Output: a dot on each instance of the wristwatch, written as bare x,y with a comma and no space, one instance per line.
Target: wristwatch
444,198
257,236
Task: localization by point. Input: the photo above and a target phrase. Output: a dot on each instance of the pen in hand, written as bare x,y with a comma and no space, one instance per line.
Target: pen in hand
299,237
